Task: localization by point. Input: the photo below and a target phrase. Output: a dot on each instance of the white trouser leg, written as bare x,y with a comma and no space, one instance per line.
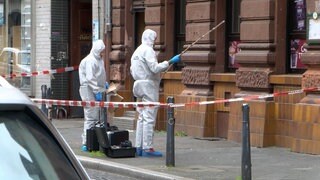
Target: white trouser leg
149,117
139,128
91,114
91,117
147,91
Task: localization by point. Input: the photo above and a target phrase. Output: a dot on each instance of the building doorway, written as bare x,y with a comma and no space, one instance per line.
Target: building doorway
139,27
80,44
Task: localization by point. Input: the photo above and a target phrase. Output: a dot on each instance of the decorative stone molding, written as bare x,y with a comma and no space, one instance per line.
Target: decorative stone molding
117,72
251,78
196,75
310,78
117,55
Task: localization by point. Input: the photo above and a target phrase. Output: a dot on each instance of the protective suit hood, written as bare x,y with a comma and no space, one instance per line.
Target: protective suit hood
148,37
97,47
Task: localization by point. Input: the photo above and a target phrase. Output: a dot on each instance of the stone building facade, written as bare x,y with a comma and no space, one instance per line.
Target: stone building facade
263,47
264,65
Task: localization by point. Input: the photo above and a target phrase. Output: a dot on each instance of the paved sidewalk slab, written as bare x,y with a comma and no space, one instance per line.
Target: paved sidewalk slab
208,158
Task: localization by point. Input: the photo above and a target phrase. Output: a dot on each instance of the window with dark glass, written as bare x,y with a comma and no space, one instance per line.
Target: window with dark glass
180,34
296,34
233,33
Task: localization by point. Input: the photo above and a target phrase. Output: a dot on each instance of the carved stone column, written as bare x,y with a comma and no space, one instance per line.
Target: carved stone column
117,54
306,139
200,60
155,19
311,77
311,58
256,60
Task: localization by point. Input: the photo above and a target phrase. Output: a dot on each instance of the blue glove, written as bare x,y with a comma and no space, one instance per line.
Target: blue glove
98,96
175,59
107,85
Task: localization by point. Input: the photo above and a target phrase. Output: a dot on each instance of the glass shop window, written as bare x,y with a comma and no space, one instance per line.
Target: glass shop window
296,35
15,42
233,33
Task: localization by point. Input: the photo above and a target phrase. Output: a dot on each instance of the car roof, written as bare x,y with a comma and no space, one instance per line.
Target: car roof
11,95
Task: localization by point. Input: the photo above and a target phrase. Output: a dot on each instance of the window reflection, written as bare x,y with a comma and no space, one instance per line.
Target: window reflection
15,42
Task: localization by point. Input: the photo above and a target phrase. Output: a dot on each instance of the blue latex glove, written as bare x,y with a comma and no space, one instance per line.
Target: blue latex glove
175,59
107,85
98,96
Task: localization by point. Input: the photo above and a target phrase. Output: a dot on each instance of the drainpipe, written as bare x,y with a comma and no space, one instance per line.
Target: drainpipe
108,39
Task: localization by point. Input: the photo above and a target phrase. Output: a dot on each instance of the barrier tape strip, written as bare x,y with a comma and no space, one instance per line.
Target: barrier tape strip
98,103
158,104
44,72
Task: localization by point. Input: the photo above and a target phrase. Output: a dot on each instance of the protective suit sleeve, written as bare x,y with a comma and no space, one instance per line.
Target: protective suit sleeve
152,62
91,78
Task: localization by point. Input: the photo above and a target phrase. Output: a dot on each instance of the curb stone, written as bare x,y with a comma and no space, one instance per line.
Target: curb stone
123,169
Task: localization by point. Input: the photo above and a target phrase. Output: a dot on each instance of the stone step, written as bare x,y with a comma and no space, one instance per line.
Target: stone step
129,114
124,122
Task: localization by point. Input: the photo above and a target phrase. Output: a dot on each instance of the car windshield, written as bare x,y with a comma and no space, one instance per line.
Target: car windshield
29,151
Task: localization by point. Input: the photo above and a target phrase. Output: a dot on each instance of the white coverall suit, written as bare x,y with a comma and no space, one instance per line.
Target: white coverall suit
145,70
92,76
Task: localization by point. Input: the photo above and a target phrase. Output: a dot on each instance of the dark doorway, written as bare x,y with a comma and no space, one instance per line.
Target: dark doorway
80,44
139,27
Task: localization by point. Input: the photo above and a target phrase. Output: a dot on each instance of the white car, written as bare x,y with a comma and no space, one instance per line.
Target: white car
14,61
31,147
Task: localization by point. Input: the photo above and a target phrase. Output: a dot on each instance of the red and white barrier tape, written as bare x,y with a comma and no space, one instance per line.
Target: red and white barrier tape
158,104
247,97
98,103
44,72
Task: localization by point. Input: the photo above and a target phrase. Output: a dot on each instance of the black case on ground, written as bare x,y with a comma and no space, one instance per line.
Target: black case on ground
120,152
92,141
116,150
102,137
117,136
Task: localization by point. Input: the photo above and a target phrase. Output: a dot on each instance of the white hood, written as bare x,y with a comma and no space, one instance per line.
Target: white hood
148,37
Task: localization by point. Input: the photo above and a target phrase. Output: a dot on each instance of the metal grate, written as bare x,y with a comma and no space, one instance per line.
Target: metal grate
59,47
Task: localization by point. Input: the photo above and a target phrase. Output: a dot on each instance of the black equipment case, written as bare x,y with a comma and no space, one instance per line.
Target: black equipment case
115,144
117,136
92,141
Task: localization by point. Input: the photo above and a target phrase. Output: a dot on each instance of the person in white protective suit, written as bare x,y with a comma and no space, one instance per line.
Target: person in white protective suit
92,76
146,70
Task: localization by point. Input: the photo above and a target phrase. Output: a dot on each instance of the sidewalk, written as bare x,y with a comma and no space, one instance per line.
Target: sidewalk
197,159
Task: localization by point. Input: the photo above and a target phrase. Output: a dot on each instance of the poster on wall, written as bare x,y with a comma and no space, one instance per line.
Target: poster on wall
95,30
297,47
233,50
300,14
314,29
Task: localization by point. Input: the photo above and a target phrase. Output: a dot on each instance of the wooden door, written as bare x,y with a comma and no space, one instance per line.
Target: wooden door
80,44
